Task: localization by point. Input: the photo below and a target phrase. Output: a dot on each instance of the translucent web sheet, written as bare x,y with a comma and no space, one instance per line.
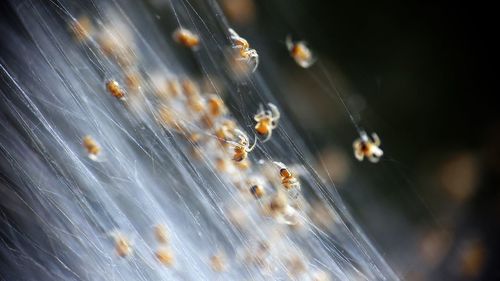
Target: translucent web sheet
63,213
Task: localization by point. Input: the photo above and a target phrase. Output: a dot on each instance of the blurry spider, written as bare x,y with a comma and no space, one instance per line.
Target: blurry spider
161,234
115,89
186,37
225,131
267,121
218,262
242,147
216,105
246,53
288,180
300,52
279,208
257,191
82,28
93,149
123,246
365,147
165,256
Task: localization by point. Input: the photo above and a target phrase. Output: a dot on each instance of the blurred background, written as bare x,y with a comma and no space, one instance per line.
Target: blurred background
415,73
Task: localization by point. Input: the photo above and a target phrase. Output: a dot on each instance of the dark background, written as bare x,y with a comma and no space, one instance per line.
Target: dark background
421,76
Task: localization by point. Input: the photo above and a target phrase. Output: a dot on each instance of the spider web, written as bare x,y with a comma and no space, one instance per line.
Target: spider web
61,211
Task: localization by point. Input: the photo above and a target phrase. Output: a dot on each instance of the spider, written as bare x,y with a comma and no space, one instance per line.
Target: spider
288,180
300,52
123,246
267,121
242,148
257,191
225,131
365,147
246,53
93,149
279,208
115,89
82,28
186,37
161,234
218,262
133,81
216,105
165,256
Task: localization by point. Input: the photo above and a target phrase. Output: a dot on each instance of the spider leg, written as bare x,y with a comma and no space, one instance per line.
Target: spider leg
359,155
377,151
260,113
242,136
242,59
232,143
256,62
274,109
373,159
357,151
376,139
253,145
356,144
233,33
279,164
309,62
268,137
289,43
239,132
363,136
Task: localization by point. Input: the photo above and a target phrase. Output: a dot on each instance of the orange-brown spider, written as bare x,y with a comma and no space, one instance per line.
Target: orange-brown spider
366,147
300,52
246,53
186,37
267,121
93,149
288,180
115,89
242,147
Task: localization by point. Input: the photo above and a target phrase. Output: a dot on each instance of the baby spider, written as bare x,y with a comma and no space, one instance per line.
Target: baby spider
365,147
123,246
288,180
115,89
296,266
267,121
186,37
165,256
161,234
82,28
300,52
132,80
246,53
93,149
242,147
225,131
216,105
279,208
257,191
218,262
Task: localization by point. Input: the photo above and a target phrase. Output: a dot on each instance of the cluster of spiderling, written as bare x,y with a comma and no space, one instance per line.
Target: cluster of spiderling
205,122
